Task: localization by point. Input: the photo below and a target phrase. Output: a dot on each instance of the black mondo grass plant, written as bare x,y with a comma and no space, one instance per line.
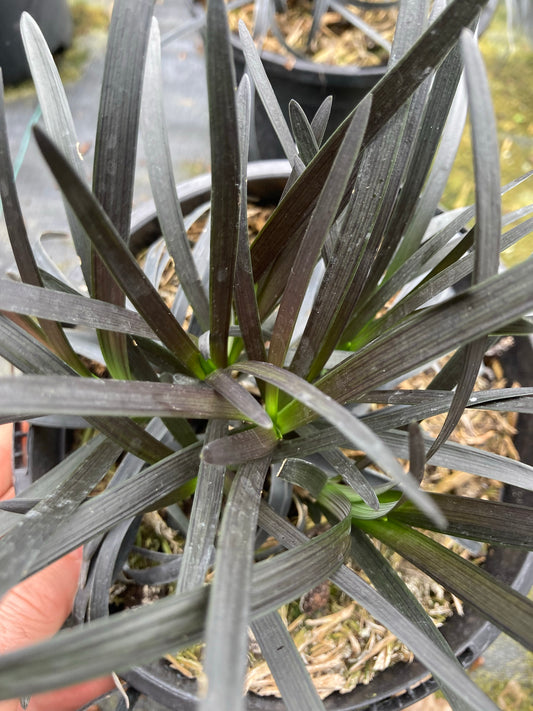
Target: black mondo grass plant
252,391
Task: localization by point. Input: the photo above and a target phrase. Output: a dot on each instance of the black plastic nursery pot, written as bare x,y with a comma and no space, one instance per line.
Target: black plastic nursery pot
469,635
52,16
309,83
36,449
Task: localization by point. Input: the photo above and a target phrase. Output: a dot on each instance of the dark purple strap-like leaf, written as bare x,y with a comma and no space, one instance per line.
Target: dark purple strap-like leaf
427,290
303,132
321,220
90,396
116,147
495,522
427,335
494,600
152,488
388,95
400,415
347,469
352,428
70,308
225,186
488,216
203,523
27,538
384,176
266,93
159,162
475,461
143,634
20,244
228,614
430,653
281,652
241,447
305,474
320,120
118,259
119,110
239,397
30,356
435,147
245,297
286,664
58,120
387,581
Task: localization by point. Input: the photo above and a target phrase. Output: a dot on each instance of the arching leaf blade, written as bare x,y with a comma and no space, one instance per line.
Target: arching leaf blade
497,602
494,522
159,162
116,148
488,215
426,336
225,187
118,258
353,585
70,308
57,119
388,95
286,664
144,634
20,244
245,296
266,93
48,394
353,429
228,613
387,581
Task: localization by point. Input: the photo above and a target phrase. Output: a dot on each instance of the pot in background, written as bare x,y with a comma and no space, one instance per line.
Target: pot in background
52,16
309,84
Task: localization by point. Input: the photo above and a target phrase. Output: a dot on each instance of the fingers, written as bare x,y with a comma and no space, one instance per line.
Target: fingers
71,698
6,475
6,492
37,608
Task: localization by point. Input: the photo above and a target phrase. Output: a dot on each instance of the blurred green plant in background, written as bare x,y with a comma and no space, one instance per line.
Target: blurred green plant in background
508,58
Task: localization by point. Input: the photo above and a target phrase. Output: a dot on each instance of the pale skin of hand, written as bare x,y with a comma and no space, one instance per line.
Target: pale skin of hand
36,609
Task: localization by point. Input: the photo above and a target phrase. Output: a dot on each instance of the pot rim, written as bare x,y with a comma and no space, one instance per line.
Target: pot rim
192,192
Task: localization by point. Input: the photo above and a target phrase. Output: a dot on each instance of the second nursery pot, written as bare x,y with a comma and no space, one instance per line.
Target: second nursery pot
52,16
309,83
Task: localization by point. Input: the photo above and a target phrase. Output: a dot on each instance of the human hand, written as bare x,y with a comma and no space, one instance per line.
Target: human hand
36,609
